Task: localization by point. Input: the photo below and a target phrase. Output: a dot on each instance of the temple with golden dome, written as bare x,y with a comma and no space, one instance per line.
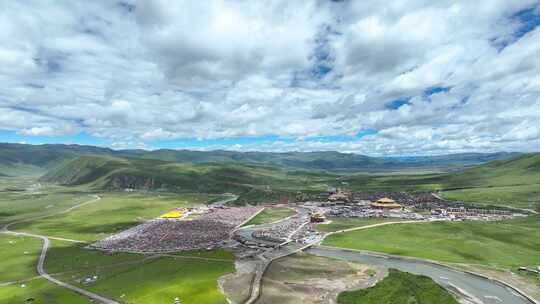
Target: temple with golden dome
386,203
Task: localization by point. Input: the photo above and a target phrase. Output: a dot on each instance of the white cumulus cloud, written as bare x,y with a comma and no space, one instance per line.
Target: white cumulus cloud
423,76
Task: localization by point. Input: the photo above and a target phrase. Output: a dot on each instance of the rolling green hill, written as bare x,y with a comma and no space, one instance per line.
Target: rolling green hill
523,170
509,180
332,161
21,159
48,156
107,172
84,169
512,182
253,182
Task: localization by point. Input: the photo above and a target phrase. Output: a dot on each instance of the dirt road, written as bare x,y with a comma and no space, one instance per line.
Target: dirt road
46,243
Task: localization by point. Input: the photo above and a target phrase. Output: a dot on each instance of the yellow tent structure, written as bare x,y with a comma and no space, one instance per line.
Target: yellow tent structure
172,214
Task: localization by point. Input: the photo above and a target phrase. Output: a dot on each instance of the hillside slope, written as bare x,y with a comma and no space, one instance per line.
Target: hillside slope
505,181
48,156
21,159
523,170
332,161
115,173
513,182
84,169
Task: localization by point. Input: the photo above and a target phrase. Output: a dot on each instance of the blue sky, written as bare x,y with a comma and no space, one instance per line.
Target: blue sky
354,76
182,143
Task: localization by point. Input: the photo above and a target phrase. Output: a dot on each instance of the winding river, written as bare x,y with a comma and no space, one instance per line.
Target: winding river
474,288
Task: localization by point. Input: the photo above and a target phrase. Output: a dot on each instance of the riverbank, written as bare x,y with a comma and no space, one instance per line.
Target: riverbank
506,244
472,285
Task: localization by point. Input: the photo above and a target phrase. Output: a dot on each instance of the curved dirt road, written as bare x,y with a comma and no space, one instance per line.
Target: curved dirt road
46,243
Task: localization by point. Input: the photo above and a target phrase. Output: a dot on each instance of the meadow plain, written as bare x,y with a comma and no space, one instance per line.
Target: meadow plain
154,280
19,281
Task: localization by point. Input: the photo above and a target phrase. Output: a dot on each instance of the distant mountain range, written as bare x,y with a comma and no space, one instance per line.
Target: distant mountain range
268,183
262,176
48,156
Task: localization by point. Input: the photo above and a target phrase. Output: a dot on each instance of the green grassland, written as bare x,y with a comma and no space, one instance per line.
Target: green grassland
523,170
42,291
395,181
18,277
338,224
140,279
260,195
130,278
269,215
134,278
524,196
513,182
210,254
18,255
14,170
68,257
22,198
113,213
505,244
398,288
